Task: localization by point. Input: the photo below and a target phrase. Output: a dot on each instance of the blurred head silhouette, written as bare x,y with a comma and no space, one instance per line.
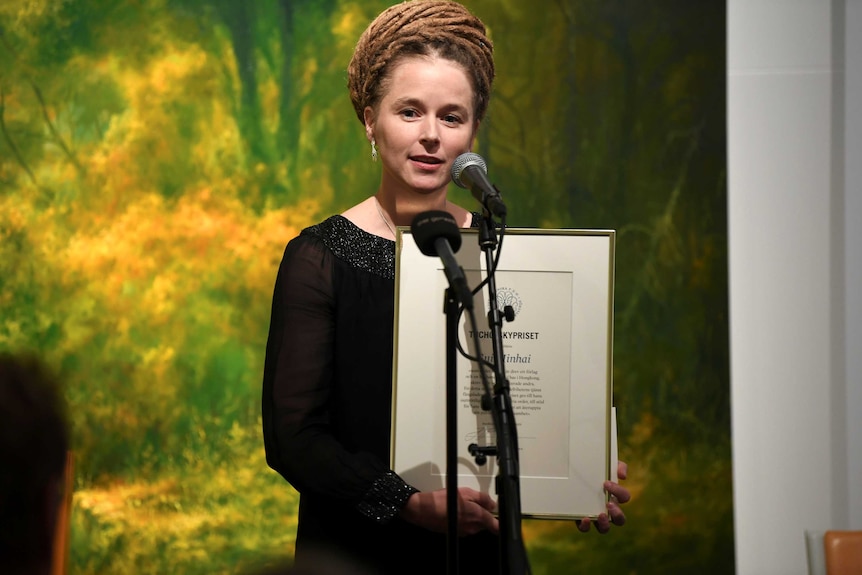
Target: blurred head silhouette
34,439
320,561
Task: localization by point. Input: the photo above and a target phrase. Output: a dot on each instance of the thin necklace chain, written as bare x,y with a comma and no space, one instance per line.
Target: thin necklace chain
383,217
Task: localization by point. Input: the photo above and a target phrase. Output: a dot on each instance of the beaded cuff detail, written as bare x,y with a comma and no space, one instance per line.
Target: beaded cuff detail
387,496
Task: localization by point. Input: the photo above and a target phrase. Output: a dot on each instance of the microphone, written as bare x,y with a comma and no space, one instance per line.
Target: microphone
470,172
436,233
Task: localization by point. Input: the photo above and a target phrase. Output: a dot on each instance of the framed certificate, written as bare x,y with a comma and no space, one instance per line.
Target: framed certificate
558,357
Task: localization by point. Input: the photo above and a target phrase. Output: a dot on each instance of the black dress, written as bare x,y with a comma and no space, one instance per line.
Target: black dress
327,405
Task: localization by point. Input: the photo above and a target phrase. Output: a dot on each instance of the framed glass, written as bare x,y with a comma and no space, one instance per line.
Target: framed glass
558,359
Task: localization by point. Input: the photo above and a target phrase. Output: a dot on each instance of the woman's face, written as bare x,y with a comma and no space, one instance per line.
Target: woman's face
422,123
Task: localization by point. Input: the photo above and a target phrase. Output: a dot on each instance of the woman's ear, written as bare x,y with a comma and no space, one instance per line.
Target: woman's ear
368,114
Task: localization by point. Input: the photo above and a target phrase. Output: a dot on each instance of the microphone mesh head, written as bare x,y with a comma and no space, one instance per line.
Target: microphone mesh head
430,226
464,160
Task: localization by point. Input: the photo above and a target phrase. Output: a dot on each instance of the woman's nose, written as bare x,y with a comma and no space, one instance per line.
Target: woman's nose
430,132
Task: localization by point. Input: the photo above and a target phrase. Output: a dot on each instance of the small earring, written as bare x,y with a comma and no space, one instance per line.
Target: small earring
373,150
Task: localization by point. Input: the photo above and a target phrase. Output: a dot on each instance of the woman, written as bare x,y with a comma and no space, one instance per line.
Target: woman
420,80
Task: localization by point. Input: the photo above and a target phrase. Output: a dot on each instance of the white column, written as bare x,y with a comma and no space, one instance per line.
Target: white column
853,249
782,207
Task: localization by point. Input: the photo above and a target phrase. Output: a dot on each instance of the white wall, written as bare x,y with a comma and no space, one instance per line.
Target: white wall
853,233
794,155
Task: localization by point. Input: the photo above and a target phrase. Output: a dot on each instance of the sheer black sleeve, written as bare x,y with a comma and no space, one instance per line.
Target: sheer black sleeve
298,388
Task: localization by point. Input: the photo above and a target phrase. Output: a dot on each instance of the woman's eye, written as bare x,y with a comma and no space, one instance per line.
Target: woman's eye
409,113
451,119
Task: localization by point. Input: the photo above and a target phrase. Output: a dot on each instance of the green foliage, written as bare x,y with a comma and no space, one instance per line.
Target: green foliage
218,510
155,157
682,524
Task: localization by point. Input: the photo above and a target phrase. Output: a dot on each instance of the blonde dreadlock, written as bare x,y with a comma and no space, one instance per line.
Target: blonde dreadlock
420,28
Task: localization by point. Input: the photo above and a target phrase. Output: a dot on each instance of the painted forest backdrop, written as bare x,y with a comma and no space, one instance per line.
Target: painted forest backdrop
157,155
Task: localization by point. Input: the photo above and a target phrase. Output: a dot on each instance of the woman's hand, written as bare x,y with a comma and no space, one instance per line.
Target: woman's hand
615,515
428,509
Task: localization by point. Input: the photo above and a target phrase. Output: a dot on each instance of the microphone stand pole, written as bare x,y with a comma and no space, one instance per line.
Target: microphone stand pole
513,556
451,310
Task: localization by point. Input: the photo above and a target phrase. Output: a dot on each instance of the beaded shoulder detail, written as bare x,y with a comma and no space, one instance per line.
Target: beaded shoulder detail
355,246
360,249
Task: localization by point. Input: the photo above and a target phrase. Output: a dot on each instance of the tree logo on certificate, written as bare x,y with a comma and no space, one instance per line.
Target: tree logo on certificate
509,297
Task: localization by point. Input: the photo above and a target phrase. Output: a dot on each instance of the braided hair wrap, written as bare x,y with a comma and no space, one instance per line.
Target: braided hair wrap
420,28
